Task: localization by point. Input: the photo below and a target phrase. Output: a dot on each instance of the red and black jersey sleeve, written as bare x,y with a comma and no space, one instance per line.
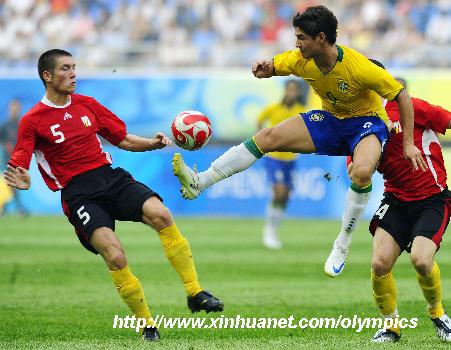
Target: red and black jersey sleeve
431,117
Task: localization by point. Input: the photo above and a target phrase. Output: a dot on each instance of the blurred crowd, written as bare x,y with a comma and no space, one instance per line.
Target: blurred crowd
215,33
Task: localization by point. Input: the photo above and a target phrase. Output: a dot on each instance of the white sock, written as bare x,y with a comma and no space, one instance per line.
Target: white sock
393,314
234,160
273,218
355,205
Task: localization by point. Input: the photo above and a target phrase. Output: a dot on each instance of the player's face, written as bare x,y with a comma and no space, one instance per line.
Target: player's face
63,79
292,92
309,46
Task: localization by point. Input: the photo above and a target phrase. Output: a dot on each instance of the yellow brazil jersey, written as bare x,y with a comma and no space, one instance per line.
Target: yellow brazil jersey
275,114
350,89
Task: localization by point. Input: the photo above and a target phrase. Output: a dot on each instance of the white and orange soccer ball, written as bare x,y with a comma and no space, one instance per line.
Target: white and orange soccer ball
191,130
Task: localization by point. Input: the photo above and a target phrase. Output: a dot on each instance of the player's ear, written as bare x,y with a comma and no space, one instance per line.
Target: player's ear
321,37
47,76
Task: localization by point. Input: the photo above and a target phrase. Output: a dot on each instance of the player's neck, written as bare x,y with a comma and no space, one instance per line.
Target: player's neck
56,98
327,59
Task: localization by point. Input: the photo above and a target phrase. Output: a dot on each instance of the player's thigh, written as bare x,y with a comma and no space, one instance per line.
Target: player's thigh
128,203
385,252
291,135
431,217
366,156
86,218
391,233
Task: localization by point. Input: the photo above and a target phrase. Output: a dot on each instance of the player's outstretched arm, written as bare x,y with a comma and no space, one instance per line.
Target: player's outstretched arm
263,69
17,177
411,152
135,143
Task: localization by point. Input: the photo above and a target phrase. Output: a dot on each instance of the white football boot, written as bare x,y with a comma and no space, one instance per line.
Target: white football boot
386,336
188,177
336,261
443,327
271,238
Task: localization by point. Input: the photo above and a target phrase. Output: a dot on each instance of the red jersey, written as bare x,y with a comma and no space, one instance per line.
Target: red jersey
399,177
64,138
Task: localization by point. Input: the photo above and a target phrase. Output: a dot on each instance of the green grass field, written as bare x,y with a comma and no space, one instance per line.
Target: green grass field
56,295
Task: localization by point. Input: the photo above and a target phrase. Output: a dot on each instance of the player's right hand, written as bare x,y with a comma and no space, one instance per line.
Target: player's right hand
17,177
161,140
263,69
413,154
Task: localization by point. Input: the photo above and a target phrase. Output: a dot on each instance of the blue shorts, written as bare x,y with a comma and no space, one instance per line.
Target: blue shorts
338,137
280,171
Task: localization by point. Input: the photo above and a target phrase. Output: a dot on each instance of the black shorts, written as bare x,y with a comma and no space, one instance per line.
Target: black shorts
404,221
100,196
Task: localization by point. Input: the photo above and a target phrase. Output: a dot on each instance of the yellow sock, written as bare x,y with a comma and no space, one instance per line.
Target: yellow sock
384,293
131,291
431,286
178,252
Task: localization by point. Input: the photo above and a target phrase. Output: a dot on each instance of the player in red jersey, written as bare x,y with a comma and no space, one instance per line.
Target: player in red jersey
413,216
62,132
354,206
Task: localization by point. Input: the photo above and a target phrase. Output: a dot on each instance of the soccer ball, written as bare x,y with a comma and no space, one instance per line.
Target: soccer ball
191,130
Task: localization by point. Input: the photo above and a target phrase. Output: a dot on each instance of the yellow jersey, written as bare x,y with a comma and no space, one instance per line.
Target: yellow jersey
351,89
275,114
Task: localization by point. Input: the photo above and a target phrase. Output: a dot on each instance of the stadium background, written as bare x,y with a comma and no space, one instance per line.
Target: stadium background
149,60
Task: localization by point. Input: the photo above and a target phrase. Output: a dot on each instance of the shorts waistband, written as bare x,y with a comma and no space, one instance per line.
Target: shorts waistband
90,172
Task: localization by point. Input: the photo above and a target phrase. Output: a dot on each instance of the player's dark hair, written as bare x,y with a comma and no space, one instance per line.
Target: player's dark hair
47,61
317,19
292,81
377,63
402,81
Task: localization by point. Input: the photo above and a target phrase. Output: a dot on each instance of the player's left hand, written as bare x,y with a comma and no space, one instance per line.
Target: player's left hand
161,140
413,154
17,177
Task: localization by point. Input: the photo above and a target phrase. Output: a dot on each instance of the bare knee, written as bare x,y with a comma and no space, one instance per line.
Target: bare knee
361,174
115,258
156,215
381,265
422,263
107,244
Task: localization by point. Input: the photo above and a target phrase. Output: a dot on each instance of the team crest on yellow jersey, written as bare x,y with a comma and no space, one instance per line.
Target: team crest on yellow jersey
316,117
342,86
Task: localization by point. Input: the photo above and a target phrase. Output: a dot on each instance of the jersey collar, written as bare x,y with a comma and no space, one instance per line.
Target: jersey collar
340,53
47,102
